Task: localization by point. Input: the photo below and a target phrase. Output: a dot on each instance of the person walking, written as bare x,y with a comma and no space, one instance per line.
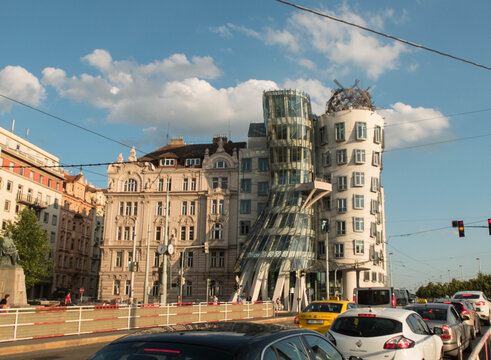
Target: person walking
276,307
4,303
68,299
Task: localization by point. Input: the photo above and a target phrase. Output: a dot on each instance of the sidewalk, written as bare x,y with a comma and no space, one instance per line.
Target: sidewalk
24,346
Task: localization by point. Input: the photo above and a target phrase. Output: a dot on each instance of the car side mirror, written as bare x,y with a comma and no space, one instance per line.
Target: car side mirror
437,331
466,316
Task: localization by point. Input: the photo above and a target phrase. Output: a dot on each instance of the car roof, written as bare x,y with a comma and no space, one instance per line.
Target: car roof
391,313
473,292
332,302
434,305
228,336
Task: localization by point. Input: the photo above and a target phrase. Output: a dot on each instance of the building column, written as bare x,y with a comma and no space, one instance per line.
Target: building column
349,280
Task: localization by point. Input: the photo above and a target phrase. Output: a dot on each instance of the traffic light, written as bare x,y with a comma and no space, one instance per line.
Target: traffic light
460,226
206,247
489,226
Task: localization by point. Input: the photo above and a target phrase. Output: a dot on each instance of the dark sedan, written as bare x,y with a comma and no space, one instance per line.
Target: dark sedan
445,319
220,341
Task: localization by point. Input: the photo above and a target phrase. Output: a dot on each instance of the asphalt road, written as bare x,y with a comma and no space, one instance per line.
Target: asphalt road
85,351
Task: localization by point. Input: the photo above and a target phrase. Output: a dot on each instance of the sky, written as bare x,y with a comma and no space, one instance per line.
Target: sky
138,73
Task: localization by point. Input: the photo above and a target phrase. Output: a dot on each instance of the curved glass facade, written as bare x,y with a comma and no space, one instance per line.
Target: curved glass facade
282,239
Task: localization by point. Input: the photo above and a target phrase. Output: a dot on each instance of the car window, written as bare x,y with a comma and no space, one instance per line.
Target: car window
352,306
466,296
269,354
366,326
291,349
413,324
322,349
431,313
426,328
324,307
453,316
373,297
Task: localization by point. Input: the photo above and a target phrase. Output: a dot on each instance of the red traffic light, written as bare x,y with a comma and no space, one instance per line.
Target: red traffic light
489,226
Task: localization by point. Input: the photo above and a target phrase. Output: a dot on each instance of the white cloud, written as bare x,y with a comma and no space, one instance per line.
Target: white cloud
19,84
281,37
412,125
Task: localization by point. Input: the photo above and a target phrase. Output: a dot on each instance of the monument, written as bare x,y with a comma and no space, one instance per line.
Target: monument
12,280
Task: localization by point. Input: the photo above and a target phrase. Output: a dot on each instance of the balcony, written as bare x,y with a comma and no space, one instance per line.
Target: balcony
31,201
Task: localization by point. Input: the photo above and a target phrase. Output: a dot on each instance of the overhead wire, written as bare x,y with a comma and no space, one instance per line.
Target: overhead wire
406,42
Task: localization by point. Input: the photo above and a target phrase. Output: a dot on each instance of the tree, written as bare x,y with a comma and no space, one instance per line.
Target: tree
32,244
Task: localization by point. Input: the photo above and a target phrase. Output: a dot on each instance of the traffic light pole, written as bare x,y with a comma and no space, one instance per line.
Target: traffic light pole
183,253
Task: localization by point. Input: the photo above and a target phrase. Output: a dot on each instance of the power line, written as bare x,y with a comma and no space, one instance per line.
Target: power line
438,142
386,35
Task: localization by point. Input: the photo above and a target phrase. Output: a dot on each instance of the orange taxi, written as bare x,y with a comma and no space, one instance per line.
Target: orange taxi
319,315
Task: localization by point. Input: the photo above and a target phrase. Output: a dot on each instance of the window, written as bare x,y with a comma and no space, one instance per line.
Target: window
119,259
281,132
193,162
159,208
324,225
6,207
193,184
340,227
130,185
213,259
185,184
41,179
342,182
158,233
167,162
342,208
192,208
189,288
214,206
339,131
135,208
260,207
126,233
191,233
54,220
55,205
358,224
377,135
184,208
281,155
339,250
214,183
375,184
262,188
116,286
245,206
295,154
161,185
10,185
183,233
358,247
359,155
224,183
374,207
169,184
323,135
217,231
358,178
341,156
361,130
220,164
221,206
221,259
246,164
156,260
373,229
245,185
245,227
263,164
376,158
358,201
128,208
46,217
326,158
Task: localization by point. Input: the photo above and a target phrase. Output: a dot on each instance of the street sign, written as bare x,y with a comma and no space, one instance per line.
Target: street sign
82,290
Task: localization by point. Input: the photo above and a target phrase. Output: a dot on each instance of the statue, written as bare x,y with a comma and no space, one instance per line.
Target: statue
9,256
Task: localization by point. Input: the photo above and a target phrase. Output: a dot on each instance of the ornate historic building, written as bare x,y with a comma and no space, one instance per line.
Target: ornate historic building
184,195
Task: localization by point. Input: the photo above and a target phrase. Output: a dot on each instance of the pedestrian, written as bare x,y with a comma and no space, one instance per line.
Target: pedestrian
4,303
215,300
68,299
275,308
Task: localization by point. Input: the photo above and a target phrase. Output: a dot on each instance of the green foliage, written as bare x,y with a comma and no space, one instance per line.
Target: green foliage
32,244
441,290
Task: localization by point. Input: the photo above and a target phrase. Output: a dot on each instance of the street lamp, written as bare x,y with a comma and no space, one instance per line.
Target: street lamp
461,272
390,268
479,262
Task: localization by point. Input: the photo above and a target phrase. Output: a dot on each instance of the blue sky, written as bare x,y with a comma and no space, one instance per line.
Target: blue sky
137,71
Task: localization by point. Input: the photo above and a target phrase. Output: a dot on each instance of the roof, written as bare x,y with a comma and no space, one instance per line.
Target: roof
391,313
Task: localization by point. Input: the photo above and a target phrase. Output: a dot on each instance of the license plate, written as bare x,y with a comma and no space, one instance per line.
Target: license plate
312,321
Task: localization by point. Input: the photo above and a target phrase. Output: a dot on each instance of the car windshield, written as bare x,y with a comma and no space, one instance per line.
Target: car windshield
373,297
432,313
466,296
324,307
366,326
152,350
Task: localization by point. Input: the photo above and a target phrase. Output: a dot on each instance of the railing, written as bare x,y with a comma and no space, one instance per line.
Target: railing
482,350
43,322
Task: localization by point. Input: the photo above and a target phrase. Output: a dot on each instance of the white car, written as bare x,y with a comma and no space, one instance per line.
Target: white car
384,333
480,302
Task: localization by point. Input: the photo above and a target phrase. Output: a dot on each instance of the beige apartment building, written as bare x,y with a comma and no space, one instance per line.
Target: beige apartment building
200,184
30,177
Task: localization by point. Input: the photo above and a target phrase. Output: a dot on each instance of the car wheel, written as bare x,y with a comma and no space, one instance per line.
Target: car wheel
460,354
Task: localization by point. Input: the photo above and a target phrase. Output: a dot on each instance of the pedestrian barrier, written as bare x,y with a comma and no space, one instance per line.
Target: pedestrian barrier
42,322
482,351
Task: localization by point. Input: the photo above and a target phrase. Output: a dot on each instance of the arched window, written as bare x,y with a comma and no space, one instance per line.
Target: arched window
220,164
130,185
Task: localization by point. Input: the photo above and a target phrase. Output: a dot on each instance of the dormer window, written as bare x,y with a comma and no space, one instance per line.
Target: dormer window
193,162
220,165
167,162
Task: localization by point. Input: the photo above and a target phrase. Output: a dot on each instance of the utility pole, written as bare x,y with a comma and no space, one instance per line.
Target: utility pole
163,296
145,285
133,267
390,269
479,263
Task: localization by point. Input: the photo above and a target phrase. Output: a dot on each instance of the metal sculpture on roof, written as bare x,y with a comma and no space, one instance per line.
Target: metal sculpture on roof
349,98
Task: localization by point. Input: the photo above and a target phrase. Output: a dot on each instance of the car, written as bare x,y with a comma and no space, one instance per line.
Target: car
319,315
455,333
221,341
467,312
384,333
480,301
381,297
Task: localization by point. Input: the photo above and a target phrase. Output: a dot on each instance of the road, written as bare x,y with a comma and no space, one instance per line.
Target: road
83,352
